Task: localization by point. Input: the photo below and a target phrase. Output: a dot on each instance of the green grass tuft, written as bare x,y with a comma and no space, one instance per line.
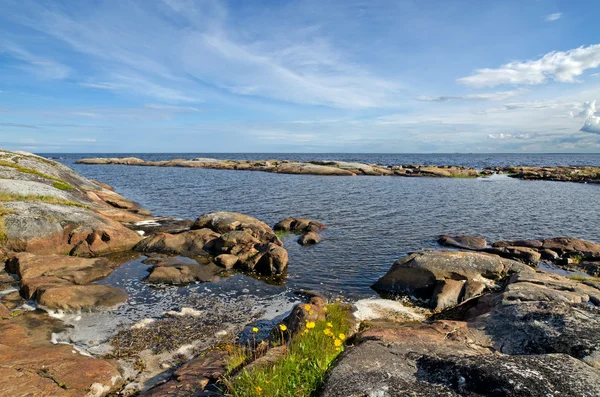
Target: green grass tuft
9,197
6,163
584,278
62,186
301,371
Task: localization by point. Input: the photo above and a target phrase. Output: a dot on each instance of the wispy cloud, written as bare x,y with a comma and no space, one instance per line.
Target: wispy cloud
18,125
553,17
562,66
490,96
185,50
82,140
38,66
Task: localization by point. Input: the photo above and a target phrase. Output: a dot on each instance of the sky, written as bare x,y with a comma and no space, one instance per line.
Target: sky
95,76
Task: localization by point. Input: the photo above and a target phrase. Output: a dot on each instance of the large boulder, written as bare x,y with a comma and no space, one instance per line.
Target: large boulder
45,228
224,222
446,278
236,239
536,336
307,228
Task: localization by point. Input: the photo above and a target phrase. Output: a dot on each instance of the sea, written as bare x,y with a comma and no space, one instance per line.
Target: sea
372,220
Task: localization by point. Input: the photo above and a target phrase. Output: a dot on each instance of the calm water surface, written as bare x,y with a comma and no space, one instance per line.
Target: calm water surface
372,220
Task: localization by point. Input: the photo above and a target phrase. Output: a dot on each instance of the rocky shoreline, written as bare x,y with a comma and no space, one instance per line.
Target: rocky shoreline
330,168
479,319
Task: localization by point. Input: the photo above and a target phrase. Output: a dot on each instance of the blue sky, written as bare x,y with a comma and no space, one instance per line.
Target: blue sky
300,76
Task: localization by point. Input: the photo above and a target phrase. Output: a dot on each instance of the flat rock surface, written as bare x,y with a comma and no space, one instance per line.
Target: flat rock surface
32,366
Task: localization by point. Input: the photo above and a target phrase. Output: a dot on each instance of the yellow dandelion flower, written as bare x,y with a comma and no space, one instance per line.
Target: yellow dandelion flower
324,309
255,330
337,342
342,337
306,307
282,327
262,342
258,390
310,324
329,325
327,331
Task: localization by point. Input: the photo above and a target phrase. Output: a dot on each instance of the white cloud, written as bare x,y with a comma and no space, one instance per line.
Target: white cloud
173,107
83,140
592,122
553,17
508,136
592,125
561,66
490,96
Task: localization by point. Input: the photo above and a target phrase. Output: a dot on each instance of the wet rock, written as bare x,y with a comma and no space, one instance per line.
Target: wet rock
420,273
273,262
299,225
227,261
180,272
310,238
464,242
192,243
76,297
31,365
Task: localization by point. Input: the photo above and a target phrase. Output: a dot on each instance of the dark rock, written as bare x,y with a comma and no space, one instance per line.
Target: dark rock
310,238
299,225
181,272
